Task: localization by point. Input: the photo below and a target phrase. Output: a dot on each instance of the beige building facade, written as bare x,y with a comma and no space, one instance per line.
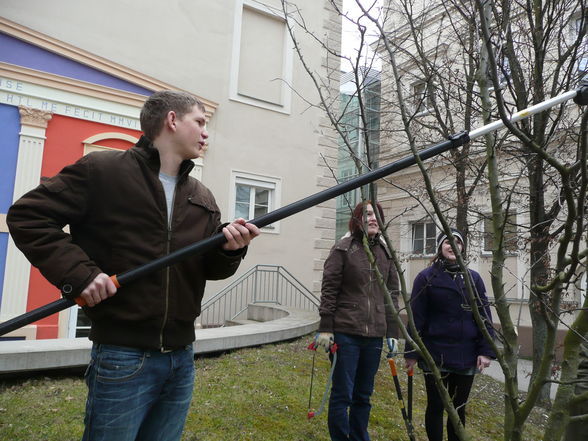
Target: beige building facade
267,147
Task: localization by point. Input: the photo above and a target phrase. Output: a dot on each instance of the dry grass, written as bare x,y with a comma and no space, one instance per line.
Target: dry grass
258,393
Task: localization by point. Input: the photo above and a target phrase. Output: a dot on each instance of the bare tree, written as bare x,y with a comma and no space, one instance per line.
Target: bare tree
450,66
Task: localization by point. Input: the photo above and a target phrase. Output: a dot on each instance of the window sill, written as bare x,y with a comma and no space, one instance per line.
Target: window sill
421,256
271,229
488,254
423,113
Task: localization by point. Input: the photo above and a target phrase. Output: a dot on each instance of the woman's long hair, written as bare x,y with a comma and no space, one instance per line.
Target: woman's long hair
357,223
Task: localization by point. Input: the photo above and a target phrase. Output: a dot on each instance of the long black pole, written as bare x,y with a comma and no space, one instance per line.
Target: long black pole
580,96
218,239
293,208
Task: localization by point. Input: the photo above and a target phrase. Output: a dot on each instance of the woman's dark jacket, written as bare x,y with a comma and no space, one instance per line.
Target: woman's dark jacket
352,300
444,319
116,210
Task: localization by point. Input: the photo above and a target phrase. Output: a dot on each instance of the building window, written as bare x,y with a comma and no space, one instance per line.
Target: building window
251,201
83,324
503,70
510,234
423,238
346,202
582,50
254,195
583,289
422,97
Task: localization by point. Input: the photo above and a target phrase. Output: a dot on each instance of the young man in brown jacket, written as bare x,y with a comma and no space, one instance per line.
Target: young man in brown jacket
125,209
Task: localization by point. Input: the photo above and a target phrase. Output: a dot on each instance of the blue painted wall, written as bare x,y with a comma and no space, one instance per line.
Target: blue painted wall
21,53
9,128
10,123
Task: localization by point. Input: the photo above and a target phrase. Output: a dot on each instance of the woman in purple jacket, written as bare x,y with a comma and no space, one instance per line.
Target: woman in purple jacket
444,320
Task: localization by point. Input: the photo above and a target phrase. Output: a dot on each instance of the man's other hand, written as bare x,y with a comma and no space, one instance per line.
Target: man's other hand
239,234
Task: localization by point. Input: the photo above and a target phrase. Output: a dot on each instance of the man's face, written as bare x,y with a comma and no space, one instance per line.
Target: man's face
191,134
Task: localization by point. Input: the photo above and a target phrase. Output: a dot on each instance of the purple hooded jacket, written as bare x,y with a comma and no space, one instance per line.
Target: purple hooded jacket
444,319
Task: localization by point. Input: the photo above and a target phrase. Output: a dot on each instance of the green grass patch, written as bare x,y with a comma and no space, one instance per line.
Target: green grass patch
251,394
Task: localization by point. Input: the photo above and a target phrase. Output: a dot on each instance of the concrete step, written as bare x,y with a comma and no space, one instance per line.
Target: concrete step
237,322
35,355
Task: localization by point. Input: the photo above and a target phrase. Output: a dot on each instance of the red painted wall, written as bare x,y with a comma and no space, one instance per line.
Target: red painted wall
63,146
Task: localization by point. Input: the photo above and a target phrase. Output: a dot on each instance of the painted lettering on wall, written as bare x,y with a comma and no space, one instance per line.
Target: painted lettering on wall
9,84
15,93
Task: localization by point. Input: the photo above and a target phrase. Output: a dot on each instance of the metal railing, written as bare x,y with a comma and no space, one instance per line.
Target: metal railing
261,284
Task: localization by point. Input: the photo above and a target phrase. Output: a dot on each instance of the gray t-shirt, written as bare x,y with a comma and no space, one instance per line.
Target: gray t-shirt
169,186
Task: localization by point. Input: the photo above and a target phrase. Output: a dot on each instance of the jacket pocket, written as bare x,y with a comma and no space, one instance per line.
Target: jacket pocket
348,305
348,316
203,203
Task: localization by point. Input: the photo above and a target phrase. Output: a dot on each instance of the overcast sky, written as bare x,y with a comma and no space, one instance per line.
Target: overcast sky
349,36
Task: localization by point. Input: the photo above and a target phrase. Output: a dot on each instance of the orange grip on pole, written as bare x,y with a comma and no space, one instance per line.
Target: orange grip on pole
80,301
392,367
410,372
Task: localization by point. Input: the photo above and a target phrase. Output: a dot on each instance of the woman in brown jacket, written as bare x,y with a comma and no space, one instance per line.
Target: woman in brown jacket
354,315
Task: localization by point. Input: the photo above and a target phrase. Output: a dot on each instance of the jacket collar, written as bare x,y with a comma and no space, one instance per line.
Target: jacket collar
147,151
378,239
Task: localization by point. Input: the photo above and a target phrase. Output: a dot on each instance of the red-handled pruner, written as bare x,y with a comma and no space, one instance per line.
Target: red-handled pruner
406,415
333,350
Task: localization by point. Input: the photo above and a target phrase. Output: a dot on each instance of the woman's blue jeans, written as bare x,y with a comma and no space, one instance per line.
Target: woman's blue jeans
135,394
358,359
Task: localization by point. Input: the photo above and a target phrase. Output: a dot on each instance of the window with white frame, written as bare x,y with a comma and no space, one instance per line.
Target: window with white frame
509,234
583,49
82,324
503,70
503,67
422,97
254,195
423,238
583,288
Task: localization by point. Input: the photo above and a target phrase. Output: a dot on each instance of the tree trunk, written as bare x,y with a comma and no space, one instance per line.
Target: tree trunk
539,273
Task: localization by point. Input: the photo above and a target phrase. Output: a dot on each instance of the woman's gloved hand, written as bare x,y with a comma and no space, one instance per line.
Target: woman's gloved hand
324,339
392,345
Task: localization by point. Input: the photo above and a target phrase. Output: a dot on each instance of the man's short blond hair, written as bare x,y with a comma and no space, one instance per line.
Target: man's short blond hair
159,104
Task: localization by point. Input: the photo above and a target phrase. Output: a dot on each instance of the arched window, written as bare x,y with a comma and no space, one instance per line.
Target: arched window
109,141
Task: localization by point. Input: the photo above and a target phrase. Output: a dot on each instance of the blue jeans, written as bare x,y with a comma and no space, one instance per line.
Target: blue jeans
135,394
358,359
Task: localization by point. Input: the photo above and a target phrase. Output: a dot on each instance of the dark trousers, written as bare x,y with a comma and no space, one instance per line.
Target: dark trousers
459,387
358,359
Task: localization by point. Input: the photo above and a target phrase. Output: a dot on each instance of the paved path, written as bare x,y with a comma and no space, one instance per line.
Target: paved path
525,367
